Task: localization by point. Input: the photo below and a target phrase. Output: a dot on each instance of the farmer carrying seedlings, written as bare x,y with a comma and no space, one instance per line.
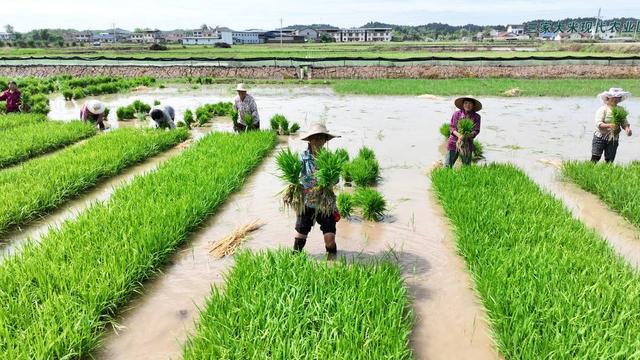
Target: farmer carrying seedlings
93,111
246,107
12,97
609,125
317,137
163,117
461,145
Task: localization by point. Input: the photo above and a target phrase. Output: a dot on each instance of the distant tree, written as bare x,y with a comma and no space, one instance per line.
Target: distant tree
324,38
9,29
31,43
1,43
204,27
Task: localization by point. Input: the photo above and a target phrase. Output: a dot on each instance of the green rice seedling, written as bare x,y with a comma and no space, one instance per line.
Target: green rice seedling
284,126
551,286
3,107
59,294
445,130
465,127
294,128
67,93
156,102
619,115
364,171
345,173
106,112
344,202
478,150
366,153
248,121
294,307
188,118
49,182
8,121
616,185
125,113
234,116
78,93
141,117
371,203
24,142
290,168
274,122
329,166
343,155
140,108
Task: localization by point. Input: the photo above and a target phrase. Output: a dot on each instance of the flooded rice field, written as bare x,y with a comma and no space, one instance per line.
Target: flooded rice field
536,134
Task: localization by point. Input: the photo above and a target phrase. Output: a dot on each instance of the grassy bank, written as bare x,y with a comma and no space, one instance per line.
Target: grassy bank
24,142
483,87
46,183
58,295
278,305
551,287
616,185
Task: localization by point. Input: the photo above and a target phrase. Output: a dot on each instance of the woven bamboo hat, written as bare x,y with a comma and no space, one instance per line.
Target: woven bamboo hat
477,105
614,93
95,107
317,129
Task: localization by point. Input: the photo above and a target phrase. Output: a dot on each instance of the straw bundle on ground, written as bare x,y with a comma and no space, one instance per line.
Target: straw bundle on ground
228,245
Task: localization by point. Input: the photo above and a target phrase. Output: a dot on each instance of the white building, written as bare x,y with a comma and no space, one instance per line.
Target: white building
208,37
517,30
247,37
6,36
359,34
309,34
146,37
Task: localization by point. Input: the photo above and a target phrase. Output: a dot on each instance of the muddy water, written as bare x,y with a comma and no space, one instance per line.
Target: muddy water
12,241
404,132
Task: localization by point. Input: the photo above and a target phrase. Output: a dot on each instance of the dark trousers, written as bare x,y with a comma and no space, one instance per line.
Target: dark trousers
601,145
453,155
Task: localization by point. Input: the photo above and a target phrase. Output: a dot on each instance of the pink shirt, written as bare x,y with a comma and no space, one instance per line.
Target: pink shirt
13,100
460,114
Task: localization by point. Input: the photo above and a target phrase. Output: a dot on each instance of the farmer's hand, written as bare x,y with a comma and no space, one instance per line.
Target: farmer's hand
629,132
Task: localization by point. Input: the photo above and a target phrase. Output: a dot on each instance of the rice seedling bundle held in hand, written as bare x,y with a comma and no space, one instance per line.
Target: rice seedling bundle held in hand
445,130
465,128
290,168
328,169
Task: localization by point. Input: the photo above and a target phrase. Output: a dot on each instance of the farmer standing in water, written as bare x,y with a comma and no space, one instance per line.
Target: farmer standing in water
468,108
607,134
245,105
12,97
163,117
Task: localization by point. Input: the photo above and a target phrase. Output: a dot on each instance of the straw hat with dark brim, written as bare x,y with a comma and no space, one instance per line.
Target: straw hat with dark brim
317,129
614,93
241,88
477,105
95,107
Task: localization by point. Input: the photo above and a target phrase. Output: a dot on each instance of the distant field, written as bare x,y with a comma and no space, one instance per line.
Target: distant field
387,50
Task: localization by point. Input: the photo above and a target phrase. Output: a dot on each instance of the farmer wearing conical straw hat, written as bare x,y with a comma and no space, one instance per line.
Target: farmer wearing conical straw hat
460,145
316,136
607,134
246,107
93,111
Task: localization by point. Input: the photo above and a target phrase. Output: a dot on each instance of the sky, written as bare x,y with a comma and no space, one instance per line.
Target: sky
26,15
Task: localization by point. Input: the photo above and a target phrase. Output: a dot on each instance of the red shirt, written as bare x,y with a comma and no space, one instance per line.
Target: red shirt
13,100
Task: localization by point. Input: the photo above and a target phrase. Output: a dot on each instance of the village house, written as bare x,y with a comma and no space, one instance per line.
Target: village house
6,36
247,37
208,37
359,34
517,30
146,37
309,34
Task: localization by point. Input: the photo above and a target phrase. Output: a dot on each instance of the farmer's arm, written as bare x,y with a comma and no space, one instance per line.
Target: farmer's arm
627,128
4,95
476,127
453,126
600,117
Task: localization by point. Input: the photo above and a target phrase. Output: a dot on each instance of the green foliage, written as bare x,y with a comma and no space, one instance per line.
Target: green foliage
465,127
294,128
188,118
135,110
156,102
366,153
59,295
8,121
445,130
343,155
49,182
364,171
290,168
280,124
206,112
3,107
310,309
371,203
67,93
619,115
275,121
478,150
549,284
344,202
24,142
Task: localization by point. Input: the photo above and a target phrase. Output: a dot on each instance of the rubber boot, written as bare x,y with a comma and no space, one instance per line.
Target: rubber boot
299,244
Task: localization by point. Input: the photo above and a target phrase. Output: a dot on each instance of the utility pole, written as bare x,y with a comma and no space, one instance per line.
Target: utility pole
115,37
280,32
595,29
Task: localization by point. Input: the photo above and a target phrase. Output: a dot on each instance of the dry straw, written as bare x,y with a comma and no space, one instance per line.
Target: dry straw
229,244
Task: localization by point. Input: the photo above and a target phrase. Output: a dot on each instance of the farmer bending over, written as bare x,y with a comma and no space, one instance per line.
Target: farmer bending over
93,111
317,137
458,144
245,105
607,134
163,117
12,97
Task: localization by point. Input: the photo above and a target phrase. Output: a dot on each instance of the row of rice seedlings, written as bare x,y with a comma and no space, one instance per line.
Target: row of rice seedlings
8,121
58,295
478,148
207,112
49,182
278,305
78,88
135,110
616,185
363,170
24,142
280,124
369,202
552,288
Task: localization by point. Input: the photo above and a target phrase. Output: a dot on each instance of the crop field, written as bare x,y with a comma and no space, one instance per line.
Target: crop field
24,142
616,185
8,121
551,287
57,296
47,182
289,306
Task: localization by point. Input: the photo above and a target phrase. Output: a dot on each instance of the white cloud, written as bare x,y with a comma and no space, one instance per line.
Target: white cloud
165,14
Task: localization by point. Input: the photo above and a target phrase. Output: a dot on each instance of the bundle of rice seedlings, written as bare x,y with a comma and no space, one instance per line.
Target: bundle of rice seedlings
329,167
619,115
284,126
290,168
248,121
345,204
445,130
294,128
371,203
364,171
478,150
465,128
366,153
275,122
234,116
188,118
342,154
228,245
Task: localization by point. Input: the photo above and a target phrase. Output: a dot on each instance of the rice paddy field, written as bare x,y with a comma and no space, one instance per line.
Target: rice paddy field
531,253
